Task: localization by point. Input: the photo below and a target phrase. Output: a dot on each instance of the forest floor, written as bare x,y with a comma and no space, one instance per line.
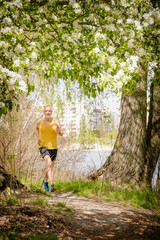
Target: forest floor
79,218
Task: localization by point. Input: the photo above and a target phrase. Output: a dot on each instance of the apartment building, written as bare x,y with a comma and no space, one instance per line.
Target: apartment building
97,119
71,116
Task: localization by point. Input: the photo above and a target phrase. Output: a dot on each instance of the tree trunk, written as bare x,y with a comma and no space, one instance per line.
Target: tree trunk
126,162
153,133
9,180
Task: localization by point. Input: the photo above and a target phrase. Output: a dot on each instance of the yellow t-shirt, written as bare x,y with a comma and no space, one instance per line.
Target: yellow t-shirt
48,135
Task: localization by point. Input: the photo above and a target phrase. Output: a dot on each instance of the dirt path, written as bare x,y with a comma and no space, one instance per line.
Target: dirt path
91,219
104,220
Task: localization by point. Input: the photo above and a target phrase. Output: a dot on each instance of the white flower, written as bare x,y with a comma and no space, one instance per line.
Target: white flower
18,48
96,50
75,24
120,73
75,5
146,15
20,30
107,8
65,36
82,55
71,1
151,21
102,59
16,62
122,64
33,43
2,43
134,60
2,105
134,11
120,21
111,49
76,35
22,86
65,45
129,21
6,30
7,20
41,9
145,24
131,68
111,27
81,73
125,38
132,34
54,17
34,55
12,81
26,61
138,25
130,43
141,52
78,10
59,52
127,54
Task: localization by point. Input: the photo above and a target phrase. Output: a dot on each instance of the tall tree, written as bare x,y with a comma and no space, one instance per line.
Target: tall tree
96,43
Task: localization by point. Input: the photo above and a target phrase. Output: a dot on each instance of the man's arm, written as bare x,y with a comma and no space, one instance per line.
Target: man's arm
37,132
59,130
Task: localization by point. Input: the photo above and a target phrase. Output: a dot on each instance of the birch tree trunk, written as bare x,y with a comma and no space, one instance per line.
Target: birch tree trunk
153,133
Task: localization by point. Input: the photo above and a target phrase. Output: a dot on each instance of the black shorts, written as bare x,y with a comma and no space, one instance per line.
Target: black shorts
51,152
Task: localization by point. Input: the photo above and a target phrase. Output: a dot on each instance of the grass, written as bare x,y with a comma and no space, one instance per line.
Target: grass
63,207
14,234
143,197
39,201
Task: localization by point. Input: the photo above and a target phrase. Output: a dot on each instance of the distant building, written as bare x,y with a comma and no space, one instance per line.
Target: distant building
96,119
71,116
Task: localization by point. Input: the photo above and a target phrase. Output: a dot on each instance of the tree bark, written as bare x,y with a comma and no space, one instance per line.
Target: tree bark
126,161
153,133
9,180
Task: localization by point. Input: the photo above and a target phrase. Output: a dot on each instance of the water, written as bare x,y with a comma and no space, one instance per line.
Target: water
83,162
92,161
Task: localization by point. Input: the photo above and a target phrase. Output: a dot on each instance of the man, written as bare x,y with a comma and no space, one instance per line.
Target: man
46,131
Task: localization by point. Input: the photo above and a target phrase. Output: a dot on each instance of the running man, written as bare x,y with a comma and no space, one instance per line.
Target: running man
46,131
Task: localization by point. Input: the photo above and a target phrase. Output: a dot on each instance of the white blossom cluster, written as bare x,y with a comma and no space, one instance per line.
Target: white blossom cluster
12,78
71,42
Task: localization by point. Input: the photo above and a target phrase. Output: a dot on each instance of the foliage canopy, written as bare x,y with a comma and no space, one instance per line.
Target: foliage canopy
96,43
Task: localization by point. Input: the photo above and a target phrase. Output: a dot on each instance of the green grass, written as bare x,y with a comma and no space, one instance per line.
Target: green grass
34,185
143,197
14,234
39,201
10,200
62,207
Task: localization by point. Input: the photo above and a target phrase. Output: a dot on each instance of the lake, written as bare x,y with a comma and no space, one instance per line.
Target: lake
83,162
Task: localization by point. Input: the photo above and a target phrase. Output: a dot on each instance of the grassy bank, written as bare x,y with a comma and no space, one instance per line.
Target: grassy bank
128,194
143,197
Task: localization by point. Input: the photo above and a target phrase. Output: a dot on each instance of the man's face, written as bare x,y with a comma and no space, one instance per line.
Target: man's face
47,112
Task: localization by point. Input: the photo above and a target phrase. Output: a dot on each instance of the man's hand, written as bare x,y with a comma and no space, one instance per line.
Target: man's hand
58,129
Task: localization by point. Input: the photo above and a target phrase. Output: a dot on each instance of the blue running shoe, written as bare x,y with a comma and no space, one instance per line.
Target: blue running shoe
45,186
52,188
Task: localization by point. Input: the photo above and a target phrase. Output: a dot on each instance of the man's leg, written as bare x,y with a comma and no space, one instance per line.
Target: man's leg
49,170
